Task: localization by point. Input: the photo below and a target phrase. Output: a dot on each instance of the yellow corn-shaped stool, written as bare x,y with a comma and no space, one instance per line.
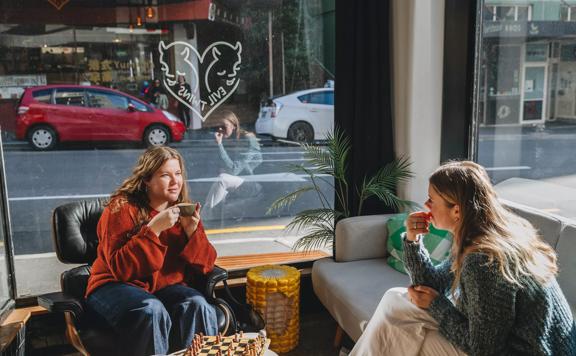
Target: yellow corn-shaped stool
275,292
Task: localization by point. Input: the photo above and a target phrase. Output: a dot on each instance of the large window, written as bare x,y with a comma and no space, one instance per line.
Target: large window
527,103
85,86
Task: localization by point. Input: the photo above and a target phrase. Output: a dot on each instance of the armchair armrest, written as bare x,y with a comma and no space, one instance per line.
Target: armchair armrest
361,237
218,274
60,302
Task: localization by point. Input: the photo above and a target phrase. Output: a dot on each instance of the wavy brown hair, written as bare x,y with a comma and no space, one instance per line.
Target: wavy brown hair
486,226
133,189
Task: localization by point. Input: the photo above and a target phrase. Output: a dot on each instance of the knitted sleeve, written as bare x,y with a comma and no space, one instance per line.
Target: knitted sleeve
423,272
129,255
489,303
250,157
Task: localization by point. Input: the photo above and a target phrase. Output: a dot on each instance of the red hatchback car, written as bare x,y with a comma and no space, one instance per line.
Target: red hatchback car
57,113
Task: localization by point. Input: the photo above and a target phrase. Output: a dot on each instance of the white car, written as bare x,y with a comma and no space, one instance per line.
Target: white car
303,116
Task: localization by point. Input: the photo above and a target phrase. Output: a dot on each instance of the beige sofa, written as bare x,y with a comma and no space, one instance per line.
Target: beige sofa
351,284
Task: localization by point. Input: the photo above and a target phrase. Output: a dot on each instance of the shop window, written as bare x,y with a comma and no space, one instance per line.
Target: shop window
526,112
507,13
195,60
568,13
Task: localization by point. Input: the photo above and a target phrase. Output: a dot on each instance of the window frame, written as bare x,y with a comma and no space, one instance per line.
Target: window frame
516,7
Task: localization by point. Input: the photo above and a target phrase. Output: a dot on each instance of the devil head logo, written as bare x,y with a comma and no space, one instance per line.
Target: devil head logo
213,75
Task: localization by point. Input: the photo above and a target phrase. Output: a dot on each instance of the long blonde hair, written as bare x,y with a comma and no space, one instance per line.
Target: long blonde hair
227,115
510,242
134,189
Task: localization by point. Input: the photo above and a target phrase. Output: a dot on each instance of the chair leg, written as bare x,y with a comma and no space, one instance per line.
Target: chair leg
338,336
72,335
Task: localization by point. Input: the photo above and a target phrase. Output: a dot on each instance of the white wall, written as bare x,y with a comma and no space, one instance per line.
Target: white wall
418,45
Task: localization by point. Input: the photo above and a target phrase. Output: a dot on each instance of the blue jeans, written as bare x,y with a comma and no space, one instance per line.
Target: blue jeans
153,323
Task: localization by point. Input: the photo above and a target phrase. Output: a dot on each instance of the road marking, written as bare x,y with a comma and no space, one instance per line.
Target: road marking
35,256
509,168
270,177
232,230
53,197
243,240
276,153
286,160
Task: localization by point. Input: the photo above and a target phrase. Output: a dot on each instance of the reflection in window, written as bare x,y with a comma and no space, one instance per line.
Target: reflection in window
527,103
285,47
104,100
69,97
43,96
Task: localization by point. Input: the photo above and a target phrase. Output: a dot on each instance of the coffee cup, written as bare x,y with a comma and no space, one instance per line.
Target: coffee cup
186,209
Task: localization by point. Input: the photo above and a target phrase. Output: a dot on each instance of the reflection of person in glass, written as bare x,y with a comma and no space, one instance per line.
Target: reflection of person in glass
183,110
242,162
147,253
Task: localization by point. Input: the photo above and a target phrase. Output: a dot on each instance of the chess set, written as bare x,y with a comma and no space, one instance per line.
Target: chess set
233,345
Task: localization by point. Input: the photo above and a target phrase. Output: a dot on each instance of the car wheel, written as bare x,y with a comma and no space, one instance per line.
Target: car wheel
301,132
156,136
42,138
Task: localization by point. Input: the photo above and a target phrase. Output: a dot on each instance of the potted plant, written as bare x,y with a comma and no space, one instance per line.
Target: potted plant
319,224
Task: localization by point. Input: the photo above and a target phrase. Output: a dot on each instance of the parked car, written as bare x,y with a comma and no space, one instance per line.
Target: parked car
57,113
303,116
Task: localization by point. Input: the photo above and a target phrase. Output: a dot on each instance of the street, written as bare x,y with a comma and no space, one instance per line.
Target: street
40,181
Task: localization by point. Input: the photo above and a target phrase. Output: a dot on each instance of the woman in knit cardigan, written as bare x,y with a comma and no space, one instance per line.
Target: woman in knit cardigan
146,257
497,293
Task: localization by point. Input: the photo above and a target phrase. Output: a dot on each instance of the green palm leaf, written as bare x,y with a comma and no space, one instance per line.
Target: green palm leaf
318,237
309,217
288,199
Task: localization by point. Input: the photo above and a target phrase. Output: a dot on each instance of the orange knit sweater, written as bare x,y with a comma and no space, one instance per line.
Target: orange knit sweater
142,258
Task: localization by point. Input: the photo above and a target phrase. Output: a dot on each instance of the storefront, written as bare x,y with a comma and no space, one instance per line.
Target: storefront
527,70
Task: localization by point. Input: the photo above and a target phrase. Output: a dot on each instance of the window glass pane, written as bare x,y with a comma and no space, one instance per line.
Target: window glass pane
69,97
505,13
523,13
197,61
138,105
42,96
564,12
105,100
489,12
527,105
323,97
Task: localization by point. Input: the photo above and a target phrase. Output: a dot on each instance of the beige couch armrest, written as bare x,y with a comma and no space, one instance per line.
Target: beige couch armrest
361,237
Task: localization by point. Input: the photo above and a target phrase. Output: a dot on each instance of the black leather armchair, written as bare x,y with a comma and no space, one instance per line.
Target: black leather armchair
75,240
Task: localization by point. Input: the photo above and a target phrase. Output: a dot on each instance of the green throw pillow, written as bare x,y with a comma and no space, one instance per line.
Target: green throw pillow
437,242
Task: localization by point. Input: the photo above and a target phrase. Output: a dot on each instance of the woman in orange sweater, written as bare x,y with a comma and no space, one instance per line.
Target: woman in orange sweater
147,254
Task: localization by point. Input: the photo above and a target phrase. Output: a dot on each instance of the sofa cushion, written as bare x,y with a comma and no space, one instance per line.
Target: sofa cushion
566,251
549,226
351,291
437,243
361,237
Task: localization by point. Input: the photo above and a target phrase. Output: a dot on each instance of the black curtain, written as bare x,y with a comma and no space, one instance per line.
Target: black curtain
363,102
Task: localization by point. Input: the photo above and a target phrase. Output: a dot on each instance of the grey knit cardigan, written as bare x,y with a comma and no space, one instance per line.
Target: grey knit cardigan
493,316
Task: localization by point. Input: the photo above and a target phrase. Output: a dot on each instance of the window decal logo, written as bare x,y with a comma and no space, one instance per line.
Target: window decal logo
211,77
58,4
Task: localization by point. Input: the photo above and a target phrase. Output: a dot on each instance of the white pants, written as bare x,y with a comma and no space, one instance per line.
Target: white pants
399,327
220,188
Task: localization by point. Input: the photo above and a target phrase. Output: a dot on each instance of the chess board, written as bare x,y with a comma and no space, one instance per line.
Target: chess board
211,347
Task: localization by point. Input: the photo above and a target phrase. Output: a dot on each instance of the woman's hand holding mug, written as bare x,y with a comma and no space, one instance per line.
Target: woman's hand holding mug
164,219
190,221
